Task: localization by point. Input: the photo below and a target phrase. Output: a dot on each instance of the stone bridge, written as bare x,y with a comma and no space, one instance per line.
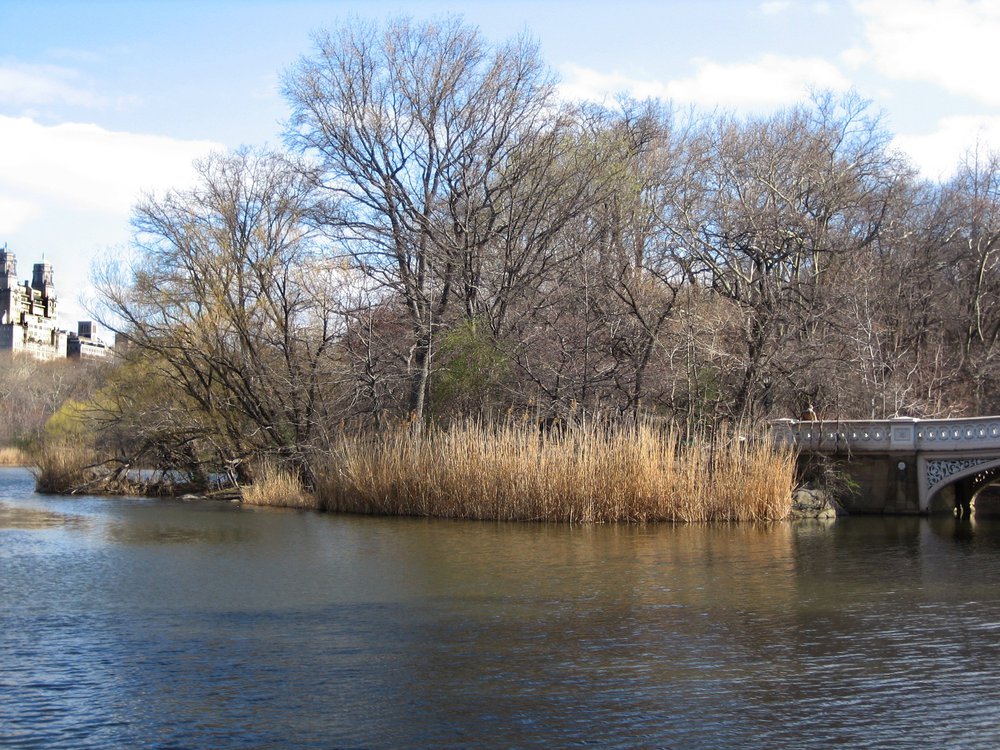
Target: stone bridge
904,465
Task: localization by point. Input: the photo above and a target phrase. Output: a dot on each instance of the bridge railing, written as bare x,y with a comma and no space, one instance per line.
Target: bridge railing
833,435
900,434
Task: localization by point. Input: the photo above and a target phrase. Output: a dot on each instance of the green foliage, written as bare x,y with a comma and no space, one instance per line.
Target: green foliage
471,369
704,392
68,424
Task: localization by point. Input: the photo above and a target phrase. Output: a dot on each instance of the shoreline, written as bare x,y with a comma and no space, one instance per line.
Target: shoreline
589,474
806,504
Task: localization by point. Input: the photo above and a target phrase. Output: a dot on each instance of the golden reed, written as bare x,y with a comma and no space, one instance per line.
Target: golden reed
276,487
587,474
13,457
62,466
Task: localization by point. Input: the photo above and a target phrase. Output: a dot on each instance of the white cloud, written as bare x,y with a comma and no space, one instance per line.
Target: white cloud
771,81
771,7
33,85
951,43
855,57
88,166
66,192
937,154
14,213
590,85
76,55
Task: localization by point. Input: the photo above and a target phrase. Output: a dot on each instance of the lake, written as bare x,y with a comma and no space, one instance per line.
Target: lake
166,624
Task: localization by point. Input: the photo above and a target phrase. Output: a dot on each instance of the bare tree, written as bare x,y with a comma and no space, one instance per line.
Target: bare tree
229,303
32,391
642,271
787,200
966,232
433,147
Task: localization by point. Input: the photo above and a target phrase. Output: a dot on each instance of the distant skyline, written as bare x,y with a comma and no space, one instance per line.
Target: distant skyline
100,101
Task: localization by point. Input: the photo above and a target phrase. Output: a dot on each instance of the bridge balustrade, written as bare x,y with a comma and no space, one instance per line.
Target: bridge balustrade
900,434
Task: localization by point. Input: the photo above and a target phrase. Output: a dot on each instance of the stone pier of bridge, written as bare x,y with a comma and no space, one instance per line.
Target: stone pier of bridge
903,465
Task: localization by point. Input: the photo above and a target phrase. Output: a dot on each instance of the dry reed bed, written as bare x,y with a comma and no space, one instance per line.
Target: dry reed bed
60,467
71,468
13,457
590,474
277,488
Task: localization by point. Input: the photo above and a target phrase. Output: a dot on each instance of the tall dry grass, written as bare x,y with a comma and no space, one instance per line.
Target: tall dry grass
277,487
590,474
62,467
10,456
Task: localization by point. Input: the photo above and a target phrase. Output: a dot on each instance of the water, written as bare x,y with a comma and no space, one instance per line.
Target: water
140,623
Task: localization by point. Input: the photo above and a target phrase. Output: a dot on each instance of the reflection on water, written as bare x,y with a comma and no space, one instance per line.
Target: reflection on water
33,518
147,623
159,533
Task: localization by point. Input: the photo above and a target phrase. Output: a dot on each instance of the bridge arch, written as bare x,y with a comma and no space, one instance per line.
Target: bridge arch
966,475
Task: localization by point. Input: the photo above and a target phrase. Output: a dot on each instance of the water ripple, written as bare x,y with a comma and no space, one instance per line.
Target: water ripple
156,625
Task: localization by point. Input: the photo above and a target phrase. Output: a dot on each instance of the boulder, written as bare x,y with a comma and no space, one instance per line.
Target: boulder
813,503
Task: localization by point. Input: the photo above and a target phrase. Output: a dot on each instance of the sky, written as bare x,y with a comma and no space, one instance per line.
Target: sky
101,102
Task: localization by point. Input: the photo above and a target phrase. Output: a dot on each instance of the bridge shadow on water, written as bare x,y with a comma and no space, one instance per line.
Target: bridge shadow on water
980,530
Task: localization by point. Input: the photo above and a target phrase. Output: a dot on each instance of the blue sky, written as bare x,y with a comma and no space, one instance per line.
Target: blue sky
102,100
